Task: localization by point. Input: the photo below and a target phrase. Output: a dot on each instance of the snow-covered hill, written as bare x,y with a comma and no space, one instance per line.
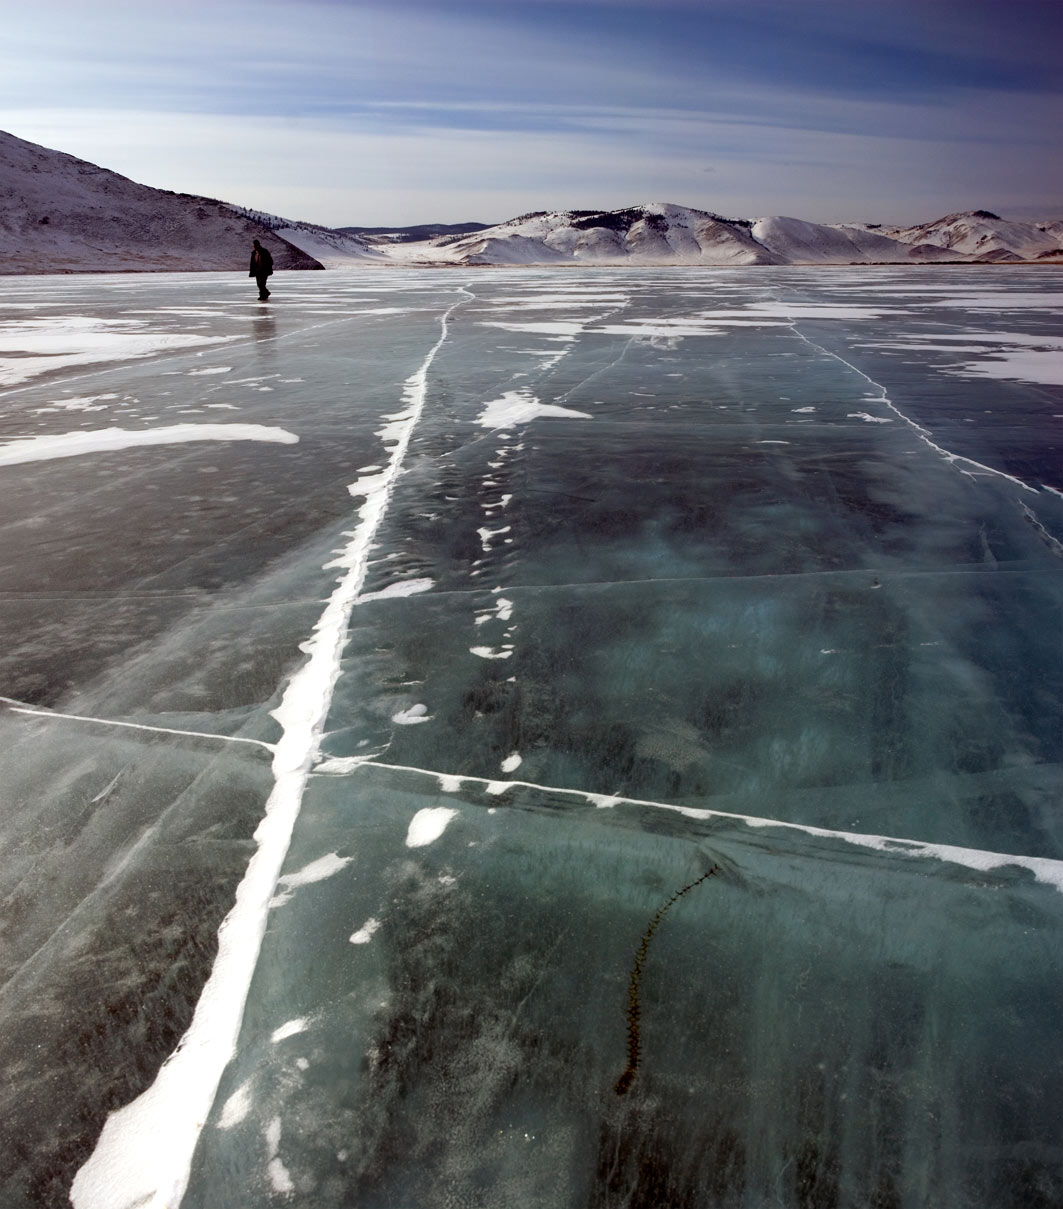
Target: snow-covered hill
797,242
59,214
334,249
661,233
986,237
656,233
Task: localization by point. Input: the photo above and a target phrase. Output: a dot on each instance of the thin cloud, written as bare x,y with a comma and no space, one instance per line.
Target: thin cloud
822,108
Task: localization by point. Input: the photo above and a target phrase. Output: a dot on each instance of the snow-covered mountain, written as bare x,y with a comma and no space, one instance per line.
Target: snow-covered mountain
797,242
656,233
59,214
986,237
661,233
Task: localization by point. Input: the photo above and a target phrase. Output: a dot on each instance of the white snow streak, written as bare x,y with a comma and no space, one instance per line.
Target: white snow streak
1045,869
408,587
144,1154
291,1029
19,707
107,440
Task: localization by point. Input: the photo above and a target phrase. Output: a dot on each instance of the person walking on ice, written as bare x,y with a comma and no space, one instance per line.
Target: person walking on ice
261,268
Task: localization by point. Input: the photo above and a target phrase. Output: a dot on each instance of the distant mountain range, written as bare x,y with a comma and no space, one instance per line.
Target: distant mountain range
61,214
661,233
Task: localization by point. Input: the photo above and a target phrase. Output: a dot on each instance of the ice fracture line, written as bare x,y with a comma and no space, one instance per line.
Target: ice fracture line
923,433
144,1155
1046,870
19,707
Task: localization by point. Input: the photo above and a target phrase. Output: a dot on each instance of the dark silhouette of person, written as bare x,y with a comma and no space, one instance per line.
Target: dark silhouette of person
261,268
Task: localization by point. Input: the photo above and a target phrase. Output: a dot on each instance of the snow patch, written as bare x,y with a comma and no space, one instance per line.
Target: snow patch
366,932
406,587
108,440
1024,365
489,652
291,1029
316,871
279,1178
236,1107
520,407
428,825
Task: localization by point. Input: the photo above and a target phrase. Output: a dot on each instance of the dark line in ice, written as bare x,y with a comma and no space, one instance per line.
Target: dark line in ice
603,369
634,1005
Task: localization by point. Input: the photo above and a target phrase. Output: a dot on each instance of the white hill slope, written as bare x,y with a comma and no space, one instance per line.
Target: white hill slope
59,214
659,233
986,237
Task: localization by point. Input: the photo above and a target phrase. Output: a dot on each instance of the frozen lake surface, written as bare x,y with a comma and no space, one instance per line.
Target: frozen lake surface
623,707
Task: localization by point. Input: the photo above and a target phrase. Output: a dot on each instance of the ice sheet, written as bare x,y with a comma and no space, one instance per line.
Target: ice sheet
756,675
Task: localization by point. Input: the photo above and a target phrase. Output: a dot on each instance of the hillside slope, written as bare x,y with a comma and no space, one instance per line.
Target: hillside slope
60,214
986,236
654,233
659,233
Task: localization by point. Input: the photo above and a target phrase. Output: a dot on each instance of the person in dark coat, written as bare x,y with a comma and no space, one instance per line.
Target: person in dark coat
261,268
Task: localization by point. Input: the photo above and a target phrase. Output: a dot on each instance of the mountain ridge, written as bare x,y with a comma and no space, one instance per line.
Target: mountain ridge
60,214
665,233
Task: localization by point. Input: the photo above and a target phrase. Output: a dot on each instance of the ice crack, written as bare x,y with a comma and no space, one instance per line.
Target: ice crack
1046,870
20,707
923,434
144,1155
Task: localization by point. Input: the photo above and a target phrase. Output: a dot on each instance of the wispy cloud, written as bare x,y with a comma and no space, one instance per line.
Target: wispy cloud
409,111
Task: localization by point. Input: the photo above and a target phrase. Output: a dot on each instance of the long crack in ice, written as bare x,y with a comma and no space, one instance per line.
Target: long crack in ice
144,1154
924,434
1045,869
19,707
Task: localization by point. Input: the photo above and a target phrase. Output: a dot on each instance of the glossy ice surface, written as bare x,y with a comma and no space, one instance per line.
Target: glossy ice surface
515,602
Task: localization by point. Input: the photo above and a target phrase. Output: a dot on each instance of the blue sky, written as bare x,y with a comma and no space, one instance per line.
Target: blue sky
346,113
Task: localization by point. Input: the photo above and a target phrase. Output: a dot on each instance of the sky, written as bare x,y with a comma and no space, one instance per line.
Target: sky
393,112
